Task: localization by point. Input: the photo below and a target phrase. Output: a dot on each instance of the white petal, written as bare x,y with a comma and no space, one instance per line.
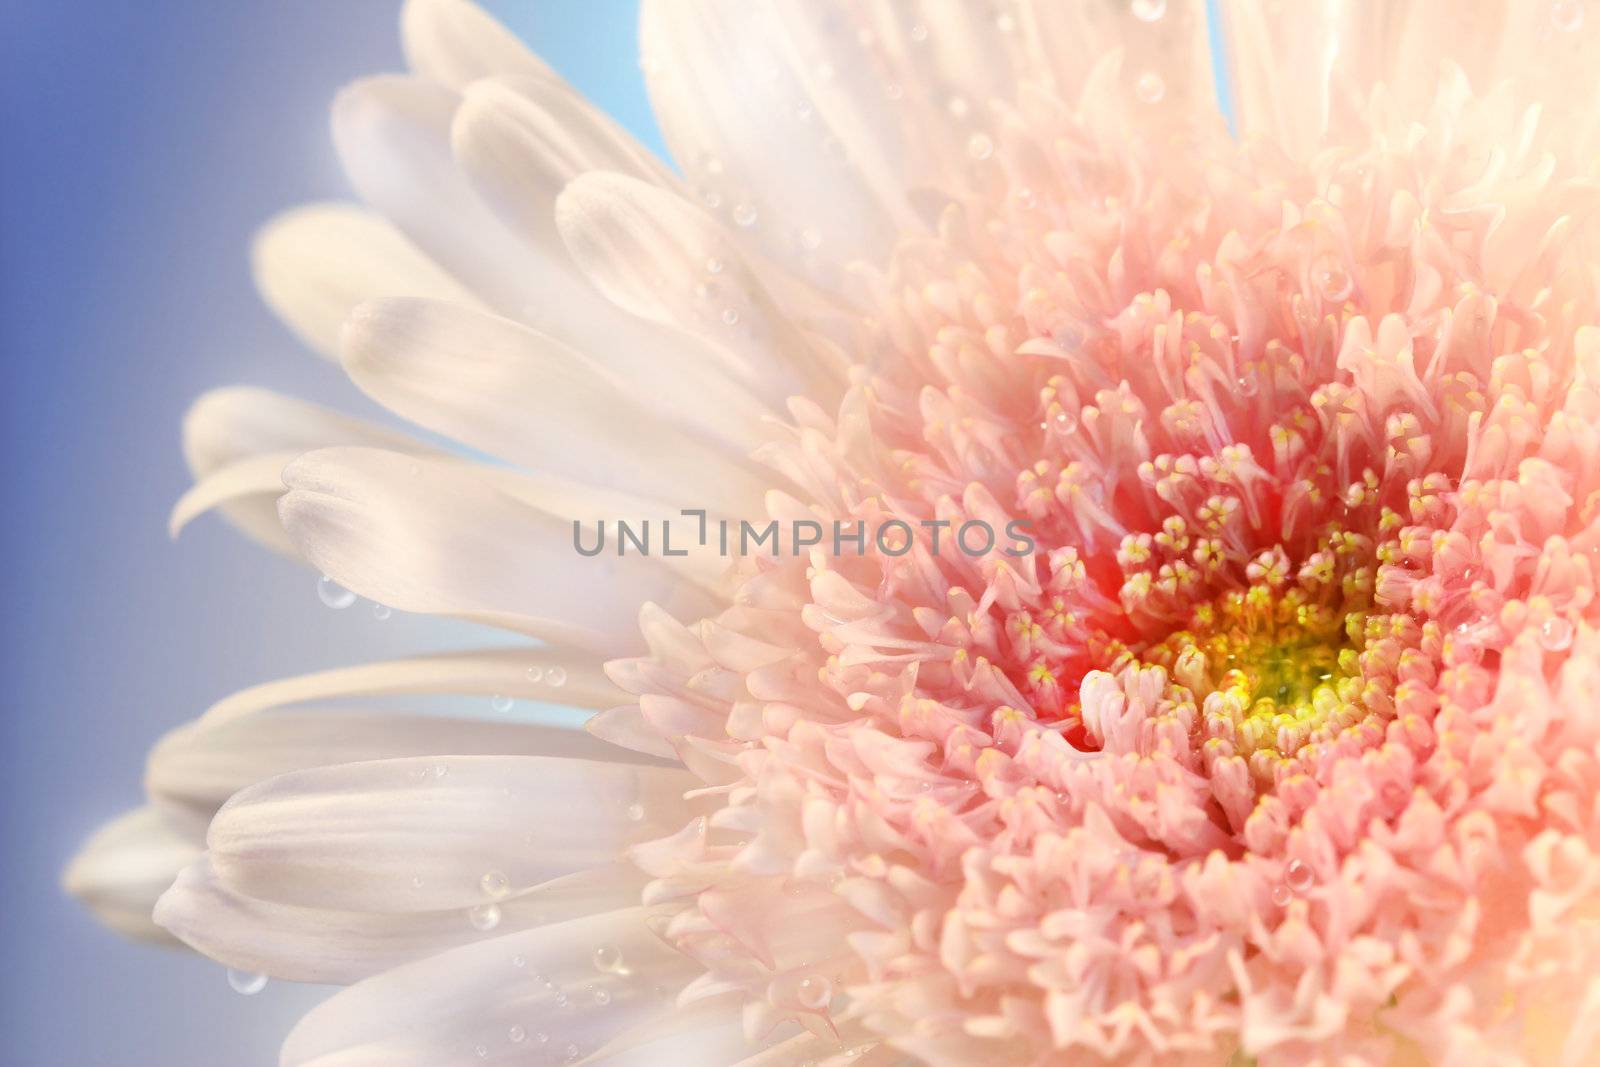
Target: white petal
315,263
429,536
1299,68
758,132
194,769
393,137
648,250
456,42
521,140
420,834
228,432
487,671
323,945
129,862
440,1011
505,389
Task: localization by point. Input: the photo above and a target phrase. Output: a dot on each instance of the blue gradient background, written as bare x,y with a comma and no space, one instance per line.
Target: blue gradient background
143,145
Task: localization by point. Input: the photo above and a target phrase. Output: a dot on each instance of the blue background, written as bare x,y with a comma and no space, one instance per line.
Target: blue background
143,145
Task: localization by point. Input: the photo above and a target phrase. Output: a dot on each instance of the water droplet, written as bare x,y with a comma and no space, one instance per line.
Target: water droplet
1063,422
482,1051
919,33
246,983
1330,278
979,146
601,997
1150,88
561,999
541,1038
381,612
1281,895
809,238
744,213
500,702
636,812
556,676
495,884
570,1053
440,770
1248,384
893,91
608,959
1148,10
1298,876
536,673
516,1035
484,916
713,265
1026,199
1555,634
333,594
814,993
519,961
1567,15
712,199
730,317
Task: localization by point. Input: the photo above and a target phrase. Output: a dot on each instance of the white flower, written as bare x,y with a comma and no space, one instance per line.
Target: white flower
1295,691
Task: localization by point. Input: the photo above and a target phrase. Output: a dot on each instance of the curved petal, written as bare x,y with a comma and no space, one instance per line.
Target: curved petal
790,164
237,441
428,536
324,945
478,671
455,42
194,769
315,263
121,870
500,387
1300,68
393,138
411,835
652,253
506,1001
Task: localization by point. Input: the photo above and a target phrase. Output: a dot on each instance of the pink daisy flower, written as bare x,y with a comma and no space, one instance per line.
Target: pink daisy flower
1261,727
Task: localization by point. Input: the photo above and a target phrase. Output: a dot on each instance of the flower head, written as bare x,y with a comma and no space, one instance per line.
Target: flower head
1266,729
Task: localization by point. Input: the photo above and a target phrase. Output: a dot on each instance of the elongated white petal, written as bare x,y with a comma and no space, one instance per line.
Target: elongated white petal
479,671
233,438
798,171
421,834
197,767
393,137
505,389
456,42
254,479
315,263
121,870
427,536
324,945
476,1004
1301,68
522,139
651,252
